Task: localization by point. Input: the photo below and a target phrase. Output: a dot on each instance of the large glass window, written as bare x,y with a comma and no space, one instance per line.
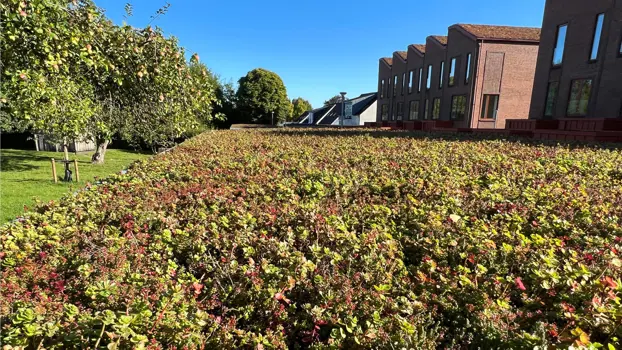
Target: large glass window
426,109
436,108
551,98
410,81
558,54
452,72
420,79
395,85
467,74
458,107
385,112
413,113
580,92
382,89
400,110
440,77
598,31
490,106
428,83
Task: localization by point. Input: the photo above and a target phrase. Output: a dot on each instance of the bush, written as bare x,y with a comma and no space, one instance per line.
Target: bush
260,239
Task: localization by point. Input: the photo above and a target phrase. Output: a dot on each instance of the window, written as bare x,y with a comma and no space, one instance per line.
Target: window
558,54
400,110
440,77
385,112
490,106
551,98
580,91
393,111
598,30
395,85
382,89
458,107
452,72
620,52
426,109
403,83
436,108
428,83
410,81
420,77
413,112
467,74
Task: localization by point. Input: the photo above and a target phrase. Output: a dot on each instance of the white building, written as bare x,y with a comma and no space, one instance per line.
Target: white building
364,110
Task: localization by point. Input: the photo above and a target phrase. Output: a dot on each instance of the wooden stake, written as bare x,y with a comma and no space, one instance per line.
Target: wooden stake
54,171
75,165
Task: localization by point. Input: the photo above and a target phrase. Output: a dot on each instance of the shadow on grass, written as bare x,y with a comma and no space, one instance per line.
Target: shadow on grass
17,160
447,136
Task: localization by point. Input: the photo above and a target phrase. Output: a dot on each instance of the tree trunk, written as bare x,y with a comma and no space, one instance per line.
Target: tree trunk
66,150
100,153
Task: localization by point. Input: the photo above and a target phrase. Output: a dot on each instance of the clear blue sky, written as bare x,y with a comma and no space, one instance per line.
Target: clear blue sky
318,47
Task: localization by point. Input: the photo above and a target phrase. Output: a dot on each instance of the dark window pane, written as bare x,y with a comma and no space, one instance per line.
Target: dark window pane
400,111
426,109
395,85
452,72
382,89
403,83
414,110
458,107
490,106
428,83
558,54
551,98
440,77
467,75
580,93
420,79
597,34
436,108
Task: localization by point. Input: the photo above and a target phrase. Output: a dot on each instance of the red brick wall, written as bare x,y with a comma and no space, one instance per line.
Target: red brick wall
516,81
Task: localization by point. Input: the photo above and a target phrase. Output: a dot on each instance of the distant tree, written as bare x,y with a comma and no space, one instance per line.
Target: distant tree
261,93
332,100
300,105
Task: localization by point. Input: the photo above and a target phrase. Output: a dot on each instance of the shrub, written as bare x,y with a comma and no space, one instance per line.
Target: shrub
260,239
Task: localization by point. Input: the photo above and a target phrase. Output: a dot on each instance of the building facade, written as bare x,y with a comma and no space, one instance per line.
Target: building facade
579,70
476,77
384,88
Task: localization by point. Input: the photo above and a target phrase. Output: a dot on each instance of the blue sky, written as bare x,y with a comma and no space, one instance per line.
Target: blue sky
318,47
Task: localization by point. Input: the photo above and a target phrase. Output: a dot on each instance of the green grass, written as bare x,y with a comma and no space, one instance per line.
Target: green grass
25,175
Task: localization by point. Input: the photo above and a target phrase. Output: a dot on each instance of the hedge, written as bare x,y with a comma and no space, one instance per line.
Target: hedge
312,240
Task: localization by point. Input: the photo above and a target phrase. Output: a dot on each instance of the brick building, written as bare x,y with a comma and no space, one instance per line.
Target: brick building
476,77
579,71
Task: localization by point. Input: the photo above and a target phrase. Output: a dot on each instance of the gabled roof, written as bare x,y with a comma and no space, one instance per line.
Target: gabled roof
440,38
418,47
501,33
401,54
321,112
302,118
359,105
387,60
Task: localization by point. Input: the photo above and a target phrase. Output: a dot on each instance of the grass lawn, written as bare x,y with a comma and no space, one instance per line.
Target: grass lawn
25,175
